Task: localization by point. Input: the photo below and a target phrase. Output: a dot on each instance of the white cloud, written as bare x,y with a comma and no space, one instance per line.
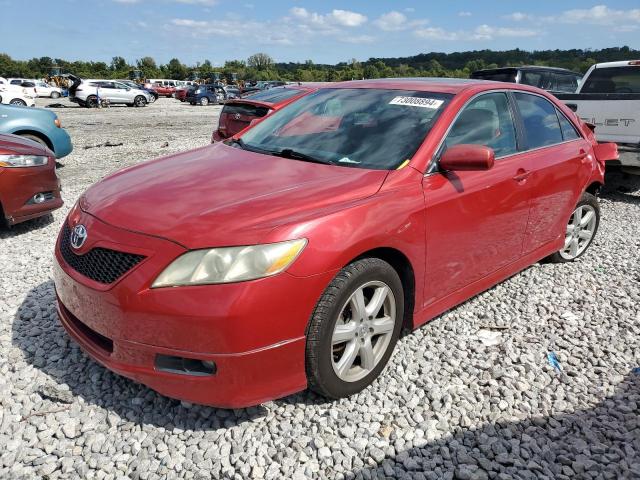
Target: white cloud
392,21
344,18
464,14
600,15
597,15
358,39
207,3
395,21
517,16
481,32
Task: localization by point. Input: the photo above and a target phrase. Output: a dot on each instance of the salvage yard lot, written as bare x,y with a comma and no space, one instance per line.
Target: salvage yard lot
470,395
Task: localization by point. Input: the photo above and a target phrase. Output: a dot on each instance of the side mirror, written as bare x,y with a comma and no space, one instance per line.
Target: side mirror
467,157
606,152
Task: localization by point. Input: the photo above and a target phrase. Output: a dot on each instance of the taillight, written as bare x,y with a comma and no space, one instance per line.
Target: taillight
222,123
57,123
634,62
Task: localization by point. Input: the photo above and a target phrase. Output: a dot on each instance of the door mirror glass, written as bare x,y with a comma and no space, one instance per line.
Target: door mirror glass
467,157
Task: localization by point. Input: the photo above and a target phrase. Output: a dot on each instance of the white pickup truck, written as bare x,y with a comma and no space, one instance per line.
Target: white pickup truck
609,98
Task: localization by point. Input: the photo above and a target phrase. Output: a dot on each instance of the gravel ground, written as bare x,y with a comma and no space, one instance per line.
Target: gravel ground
470,395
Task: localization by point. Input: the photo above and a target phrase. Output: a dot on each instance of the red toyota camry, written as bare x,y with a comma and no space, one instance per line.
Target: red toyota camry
291,256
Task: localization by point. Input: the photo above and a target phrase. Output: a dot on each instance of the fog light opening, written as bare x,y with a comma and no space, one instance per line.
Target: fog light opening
185,366
39,198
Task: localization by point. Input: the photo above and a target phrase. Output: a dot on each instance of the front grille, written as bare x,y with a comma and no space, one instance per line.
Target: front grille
99,264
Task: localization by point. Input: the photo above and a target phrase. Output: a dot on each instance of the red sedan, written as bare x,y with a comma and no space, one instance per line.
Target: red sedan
238,114
29,186
291,256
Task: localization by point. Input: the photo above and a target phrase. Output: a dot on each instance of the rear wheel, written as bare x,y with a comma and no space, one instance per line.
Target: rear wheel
19,102
354,328
91,101
55,94
139,101
581,230
204,101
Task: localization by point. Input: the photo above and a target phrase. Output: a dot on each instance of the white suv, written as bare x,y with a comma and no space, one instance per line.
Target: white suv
43,89
15,94
94,92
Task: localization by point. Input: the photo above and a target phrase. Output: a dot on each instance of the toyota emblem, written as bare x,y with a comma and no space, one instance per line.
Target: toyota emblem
236,116
78,236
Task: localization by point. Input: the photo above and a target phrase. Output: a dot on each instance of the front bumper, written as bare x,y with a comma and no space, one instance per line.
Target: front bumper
19,185
253,331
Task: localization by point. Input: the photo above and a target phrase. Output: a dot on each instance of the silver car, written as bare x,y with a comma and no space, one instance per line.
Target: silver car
94,92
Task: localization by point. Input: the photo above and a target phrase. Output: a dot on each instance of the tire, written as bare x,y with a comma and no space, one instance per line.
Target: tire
204,101
578,241
35,138
91,101
19,102
55,94
139,101
324,356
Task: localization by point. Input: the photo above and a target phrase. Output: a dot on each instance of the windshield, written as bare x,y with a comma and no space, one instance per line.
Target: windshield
363,128
275,95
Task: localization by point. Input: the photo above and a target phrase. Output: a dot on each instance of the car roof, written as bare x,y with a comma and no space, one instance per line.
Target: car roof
623,63
425,84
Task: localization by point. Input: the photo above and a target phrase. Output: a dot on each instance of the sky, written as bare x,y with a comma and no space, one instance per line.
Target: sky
326,31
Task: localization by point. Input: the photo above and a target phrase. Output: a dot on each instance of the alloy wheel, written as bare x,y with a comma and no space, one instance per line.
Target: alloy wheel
580,231
363,331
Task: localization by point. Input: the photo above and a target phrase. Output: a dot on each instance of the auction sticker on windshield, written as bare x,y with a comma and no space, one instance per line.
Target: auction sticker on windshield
417,102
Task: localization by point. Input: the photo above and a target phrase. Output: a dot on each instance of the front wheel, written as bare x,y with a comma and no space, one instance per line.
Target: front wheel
139,101
19,102
204,101
354,328
581,229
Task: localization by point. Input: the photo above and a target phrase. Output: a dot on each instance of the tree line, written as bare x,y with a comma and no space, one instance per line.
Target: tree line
261,66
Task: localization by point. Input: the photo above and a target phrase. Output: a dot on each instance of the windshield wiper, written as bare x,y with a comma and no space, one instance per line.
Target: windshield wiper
295,155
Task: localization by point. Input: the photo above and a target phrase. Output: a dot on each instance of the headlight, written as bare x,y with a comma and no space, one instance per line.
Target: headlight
23,160
231,264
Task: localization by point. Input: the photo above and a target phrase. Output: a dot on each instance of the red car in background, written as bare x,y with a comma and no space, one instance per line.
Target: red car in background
163,89
181,93
29,186
237,114
293,254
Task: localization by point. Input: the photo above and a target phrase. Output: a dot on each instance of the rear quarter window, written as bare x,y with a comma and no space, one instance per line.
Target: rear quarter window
613,80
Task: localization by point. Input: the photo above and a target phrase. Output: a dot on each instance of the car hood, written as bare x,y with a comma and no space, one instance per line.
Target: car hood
220,195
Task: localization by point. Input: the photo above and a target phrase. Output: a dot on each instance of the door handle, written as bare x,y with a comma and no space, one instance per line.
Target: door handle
522,175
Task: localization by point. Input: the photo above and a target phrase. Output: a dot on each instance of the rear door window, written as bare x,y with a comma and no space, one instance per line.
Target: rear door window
487,121
541,125
613,80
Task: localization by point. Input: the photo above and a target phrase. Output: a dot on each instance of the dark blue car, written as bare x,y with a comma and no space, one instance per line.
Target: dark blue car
38,124
213,93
